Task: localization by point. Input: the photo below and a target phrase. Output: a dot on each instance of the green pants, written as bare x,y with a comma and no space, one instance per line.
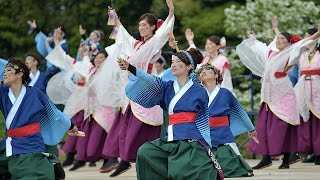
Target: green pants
179,160
3,161
232,165
28,166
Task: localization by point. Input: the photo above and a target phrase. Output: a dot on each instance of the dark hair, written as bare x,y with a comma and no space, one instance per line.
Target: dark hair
36,57
312,31
286,35
214,39
102,51
151,20
196,55
22,67
219,79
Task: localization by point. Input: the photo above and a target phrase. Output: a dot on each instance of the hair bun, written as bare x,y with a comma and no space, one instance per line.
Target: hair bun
196,54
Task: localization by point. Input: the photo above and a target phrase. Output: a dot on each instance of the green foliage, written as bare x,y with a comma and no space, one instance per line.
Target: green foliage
294,17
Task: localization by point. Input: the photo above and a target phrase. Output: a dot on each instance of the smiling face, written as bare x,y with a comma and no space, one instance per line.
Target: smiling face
211,47
145,29
179,68
282,42
10,75
99,59
207,74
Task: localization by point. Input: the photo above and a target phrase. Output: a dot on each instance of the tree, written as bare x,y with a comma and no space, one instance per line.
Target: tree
294,17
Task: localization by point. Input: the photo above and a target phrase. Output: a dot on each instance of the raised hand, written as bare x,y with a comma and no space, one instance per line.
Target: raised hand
81,30
116,18
171,8
57,36
32,24
275,22
189,34
172,41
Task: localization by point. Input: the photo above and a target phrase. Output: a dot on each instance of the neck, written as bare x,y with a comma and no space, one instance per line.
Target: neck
16,87
213,54
34,70
210,85
182,80
160,71
146,38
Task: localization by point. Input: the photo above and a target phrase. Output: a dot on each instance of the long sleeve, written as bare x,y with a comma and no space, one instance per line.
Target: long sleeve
60,58
161,34
239,119
145,89
253,55
54,124
202,123
125,41
297,49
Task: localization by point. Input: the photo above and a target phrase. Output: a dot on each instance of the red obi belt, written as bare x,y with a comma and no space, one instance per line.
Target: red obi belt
219,121
182,117
24,131
311,72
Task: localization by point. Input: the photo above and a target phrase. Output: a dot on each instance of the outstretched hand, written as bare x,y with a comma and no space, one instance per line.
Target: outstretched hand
253,135
123,64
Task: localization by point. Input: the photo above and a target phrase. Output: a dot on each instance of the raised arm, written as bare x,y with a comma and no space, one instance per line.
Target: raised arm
190,36
161,35
253,55
275,24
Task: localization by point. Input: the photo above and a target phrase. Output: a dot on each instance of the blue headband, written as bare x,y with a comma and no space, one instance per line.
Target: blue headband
190,59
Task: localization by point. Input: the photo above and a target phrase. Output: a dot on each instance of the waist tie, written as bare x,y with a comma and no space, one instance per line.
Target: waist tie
182,117
280,74
311,72
219,121
24,131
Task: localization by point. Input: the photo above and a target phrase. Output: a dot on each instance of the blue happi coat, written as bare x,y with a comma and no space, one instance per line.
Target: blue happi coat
148,91
31,107
223,103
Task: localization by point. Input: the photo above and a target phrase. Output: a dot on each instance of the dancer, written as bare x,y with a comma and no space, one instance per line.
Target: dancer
214,46
278,115
138,124
31,122
179,155
84,106
227,119
308,100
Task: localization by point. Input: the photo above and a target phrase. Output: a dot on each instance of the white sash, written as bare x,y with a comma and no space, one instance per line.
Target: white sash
34,78
213,94
15,106
178,94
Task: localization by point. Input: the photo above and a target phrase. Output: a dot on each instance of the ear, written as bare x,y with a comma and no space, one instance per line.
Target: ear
20,74
189,67
153,27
